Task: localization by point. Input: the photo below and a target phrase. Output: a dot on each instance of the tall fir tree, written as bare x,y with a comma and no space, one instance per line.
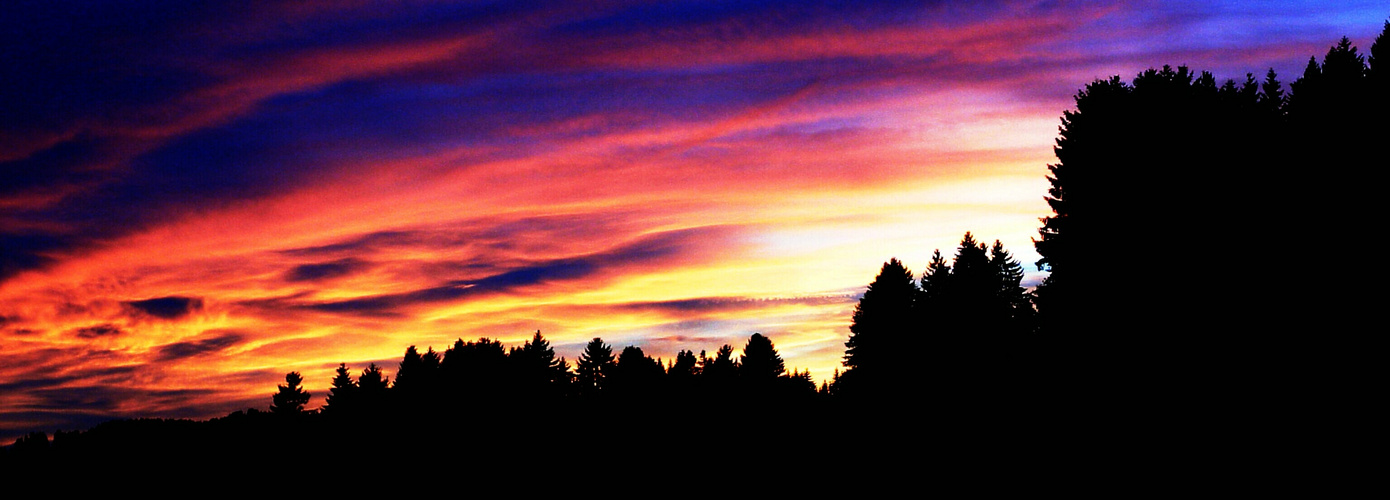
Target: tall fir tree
882,326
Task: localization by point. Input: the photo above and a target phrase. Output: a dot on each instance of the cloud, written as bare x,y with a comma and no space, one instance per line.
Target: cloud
645,252
96,331
706,305
199,347
172,307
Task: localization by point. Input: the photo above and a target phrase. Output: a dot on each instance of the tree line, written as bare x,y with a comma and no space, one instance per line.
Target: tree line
483,372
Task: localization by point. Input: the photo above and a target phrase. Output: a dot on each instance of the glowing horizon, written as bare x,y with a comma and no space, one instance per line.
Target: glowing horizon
198,202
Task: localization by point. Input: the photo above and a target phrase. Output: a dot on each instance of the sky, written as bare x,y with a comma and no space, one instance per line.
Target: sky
199,197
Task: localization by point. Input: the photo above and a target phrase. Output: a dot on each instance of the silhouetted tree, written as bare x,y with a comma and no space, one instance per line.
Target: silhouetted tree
635,374
1378,75
683,374
412,364
415,379
721,370
685,365
760,361
1017,313
343,394
291,398
881,324
537,370
796,384
594,365
1272,95
971,307
478,369
372,388
1378,62
1112,208
935,286
31,446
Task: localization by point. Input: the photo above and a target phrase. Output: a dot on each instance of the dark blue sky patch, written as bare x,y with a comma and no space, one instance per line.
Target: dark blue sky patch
199,347
107,374
97,331
172,307
365,242
24,252
325,270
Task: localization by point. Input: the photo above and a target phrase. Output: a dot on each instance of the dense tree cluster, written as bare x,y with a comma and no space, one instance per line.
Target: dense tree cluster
1158,176
956,314
483,373
1154,179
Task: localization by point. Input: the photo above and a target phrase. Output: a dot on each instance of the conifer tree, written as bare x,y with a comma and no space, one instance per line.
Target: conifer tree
684,366
291,398
1272,94
719,373
342,395
593,367
1016,306
477,369
1378,61
760,361
935,286
371,387
411,364
882,318
537,369
635,373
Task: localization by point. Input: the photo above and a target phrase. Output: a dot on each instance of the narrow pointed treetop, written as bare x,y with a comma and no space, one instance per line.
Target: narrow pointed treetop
595,364
341,395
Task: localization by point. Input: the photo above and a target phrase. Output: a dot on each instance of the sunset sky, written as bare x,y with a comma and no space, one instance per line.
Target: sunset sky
197,199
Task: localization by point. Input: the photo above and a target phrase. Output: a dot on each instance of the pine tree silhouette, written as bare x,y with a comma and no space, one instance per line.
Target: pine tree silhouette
537,370
372,389
594,366
342,395
882,323
291,398
760,362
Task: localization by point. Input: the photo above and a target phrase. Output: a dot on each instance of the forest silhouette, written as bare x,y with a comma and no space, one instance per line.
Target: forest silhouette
1160,175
